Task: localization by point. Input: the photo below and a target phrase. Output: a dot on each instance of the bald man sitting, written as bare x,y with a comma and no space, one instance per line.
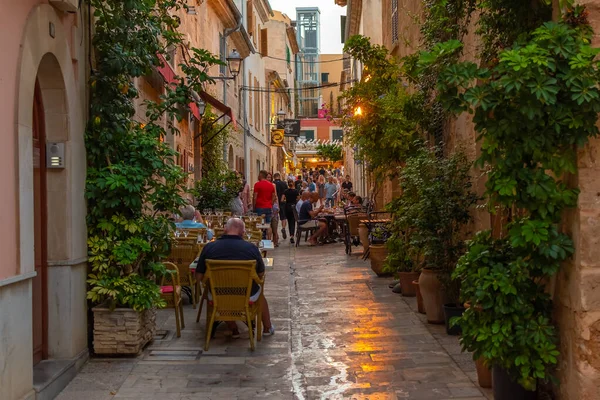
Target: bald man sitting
232,246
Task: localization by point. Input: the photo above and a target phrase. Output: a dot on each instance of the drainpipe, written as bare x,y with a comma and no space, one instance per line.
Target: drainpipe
226,34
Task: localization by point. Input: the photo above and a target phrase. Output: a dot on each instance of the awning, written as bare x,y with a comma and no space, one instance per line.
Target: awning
225,110
169,76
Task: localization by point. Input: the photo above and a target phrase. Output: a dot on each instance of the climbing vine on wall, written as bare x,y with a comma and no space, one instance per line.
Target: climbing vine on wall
133,184
532,109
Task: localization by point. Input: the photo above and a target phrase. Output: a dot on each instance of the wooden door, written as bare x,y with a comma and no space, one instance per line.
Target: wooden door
39,309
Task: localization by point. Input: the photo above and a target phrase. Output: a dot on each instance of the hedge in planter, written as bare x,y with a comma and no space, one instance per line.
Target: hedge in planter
532,109
133,184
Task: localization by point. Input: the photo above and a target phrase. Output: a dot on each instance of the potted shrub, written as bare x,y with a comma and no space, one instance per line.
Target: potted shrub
378,251
510,325
133,183
399,262
435,206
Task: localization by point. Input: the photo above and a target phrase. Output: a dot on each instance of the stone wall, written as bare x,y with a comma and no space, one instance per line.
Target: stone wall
122,331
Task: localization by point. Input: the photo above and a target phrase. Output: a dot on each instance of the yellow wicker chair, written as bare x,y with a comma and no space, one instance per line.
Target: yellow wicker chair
170,291
183,253
230,285
353,223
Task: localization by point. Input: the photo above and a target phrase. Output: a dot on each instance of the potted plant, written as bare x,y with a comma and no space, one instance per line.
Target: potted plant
216,189
378,250
400,262
133,184
435,207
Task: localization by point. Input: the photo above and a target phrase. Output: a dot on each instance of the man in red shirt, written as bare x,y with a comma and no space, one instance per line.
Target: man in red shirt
264,197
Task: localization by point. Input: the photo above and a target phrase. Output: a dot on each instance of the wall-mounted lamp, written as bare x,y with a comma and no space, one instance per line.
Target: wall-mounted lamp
280,115
234,62
358,112
201,107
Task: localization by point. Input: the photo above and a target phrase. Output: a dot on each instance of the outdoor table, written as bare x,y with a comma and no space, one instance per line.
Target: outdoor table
332,223
267,245
263,226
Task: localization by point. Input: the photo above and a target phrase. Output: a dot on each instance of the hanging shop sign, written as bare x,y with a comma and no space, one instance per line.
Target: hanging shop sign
277,136
290,126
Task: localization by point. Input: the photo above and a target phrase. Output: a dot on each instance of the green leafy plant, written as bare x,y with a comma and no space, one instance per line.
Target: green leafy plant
331,151
215,137
133,183
432,212
531,110
377,115
216,189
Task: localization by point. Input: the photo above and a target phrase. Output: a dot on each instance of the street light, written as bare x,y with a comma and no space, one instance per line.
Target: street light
280,115
201,107
358,112
235,63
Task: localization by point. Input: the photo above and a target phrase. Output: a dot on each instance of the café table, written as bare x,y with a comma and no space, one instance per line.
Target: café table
266,245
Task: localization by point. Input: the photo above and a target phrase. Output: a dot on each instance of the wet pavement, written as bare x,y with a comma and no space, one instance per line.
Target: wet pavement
341,334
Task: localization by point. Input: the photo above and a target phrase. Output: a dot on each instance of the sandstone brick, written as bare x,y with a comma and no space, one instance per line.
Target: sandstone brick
122,331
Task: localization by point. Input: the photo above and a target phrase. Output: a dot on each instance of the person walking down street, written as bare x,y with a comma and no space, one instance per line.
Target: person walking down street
281,187
263,198
331,190
321,188
290,198
246,200
312,187
298,183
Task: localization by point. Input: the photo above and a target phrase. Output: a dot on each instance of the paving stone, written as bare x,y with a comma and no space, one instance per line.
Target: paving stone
341,334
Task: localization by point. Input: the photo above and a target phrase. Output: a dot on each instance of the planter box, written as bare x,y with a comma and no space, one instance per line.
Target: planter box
378,254
122,331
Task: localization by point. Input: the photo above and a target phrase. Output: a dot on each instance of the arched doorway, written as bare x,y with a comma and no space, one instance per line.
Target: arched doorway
230,158
40,285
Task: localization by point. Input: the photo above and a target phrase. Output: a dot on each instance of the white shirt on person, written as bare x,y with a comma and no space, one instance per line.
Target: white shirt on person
298,205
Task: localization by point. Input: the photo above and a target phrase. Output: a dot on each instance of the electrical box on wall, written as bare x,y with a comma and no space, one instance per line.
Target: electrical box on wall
65,5
55,155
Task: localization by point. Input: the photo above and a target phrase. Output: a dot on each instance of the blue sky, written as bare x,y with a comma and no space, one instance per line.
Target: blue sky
330,20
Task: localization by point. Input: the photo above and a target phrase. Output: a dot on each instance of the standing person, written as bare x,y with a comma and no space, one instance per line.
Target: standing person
290,198
281,187
330,191
311,186
321,188
246,200
274,214
347,184
322,171
263,198
298,183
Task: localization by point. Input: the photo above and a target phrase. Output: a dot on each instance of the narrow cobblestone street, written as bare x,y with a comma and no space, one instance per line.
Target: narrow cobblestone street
341,334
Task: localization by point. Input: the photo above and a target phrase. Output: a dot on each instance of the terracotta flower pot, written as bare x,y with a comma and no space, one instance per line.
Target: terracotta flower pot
406,279
433,296
363,234
484,374
378,254
420,306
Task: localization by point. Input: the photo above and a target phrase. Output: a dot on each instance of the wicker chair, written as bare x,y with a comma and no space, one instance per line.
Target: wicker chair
183,253
170,291
300,229
230,285
352,234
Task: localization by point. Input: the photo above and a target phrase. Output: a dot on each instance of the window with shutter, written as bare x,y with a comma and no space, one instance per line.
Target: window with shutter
264,42
250,17
395,33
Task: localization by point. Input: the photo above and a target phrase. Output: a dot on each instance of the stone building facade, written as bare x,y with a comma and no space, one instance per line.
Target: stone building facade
575,294
43,108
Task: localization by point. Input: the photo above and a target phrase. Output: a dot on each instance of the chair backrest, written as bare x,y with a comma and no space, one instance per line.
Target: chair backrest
171,278
354,221
380,215
230,283
183,253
